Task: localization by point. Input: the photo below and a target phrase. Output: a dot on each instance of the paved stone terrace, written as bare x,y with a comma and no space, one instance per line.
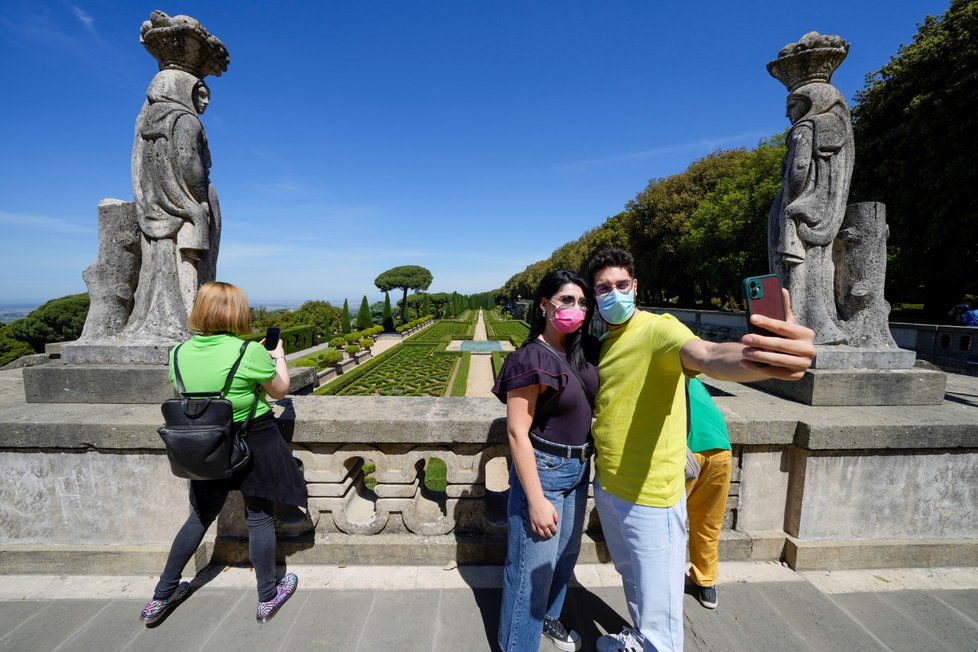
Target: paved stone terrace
763,606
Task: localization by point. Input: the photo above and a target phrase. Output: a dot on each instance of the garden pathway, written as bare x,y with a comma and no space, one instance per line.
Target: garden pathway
480,366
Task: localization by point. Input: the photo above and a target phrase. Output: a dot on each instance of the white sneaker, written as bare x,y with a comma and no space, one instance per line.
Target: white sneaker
623,641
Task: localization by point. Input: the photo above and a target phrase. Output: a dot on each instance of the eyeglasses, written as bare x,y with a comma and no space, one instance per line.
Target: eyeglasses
621,286
566,302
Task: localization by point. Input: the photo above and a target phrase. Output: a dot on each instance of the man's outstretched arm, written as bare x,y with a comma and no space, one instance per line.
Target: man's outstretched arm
787,354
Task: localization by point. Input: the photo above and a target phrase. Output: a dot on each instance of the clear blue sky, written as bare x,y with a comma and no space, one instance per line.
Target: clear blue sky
472,138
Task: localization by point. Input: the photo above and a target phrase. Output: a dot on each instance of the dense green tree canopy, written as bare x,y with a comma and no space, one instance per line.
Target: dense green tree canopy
406,277
322,315
916,127
693,235
10,347
58,320
325,317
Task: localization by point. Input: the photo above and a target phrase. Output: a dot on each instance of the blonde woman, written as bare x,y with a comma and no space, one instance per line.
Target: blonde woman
219,315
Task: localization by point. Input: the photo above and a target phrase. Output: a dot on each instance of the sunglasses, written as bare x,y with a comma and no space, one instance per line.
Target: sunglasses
621,286
567,301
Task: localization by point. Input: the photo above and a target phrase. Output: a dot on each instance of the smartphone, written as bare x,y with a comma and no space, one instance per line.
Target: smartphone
763,296
271,338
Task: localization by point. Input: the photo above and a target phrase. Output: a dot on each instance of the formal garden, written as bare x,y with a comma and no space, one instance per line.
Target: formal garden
419,366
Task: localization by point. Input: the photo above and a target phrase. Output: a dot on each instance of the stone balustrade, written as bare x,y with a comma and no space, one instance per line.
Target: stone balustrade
954,348
87,488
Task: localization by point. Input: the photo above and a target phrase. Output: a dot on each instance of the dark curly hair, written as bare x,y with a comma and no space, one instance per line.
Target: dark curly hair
610,257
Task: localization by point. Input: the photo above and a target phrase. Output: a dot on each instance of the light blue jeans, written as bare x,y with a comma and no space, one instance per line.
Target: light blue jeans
648,548
538,570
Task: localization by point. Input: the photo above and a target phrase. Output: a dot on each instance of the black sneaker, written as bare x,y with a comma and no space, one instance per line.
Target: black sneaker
560,637
707,595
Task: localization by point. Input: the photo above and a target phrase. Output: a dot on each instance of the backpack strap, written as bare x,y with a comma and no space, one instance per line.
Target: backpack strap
234,368
243,429
176,371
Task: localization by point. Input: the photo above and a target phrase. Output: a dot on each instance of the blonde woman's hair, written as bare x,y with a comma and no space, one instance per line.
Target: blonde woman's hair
220,308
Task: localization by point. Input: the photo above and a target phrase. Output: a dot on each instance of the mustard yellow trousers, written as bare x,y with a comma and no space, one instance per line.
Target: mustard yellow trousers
706,500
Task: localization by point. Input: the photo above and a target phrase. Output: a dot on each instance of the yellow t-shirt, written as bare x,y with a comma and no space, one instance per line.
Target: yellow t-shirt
640,411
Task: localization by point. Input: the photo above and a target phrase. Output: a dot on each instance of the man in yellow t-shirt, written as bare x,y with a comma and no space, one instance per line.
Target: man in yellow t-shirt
640,437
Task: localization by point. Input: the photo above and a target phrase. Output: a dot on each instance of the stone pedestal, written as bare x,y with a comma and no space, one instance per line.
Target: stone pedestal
921,385
59,382
90,383
113,352
851,357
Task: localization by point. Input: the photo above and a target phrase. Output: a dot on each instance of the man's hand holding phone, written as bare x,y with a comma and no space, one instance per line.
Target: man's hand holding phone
776,347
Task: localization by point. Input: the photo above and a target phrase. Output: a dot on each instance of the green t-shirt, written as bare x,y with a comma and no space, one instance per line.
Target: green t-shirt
640,411
707,430
205,361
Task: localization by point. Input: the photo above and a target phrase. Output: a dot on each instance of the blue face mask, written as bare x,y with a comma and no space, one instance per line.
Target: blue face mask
616,307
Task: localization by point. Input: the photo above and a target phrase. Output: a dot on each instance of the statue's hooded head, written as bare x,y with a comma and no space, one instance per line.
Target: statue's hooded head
176,86
814,99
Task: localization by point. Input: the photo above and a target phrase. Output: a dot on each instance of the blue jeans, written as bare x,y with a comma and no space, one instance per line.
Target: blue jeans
538,570
648,548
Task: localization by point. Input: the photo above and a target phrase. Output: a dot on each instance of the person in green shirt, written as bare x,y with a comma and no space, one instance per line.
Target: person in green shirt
706,495
219,315
640,438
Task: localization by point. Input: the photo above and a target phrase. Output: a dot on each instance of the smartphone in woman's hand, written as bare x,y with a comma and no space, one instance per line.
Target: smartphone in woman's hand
271,338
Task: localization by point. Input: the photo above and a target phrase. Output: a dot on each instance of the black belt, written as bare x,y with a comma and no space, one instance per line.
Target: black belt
562,450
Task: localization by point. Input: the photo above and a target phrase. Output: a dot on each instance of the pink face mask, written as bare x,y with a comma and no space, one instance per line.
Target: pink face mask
568,320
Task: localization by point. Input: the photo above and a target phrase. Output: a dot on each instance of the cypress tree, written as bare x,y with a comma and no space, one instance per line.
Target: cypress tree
345,322
363,316
388,315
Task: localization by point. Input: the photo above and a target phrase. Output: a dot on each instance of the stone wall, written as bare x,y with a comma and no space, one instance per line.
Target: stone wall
88,488
954,348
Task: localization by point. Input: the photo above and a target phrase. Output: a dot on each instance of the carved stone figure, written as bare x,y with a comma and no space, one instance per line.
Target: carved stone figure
808,212
176,205
155,251
860,270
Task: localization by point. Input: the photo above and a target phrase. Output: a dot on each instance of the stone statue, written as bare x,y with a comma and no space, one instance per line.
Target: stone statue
155,251
176,205
807,214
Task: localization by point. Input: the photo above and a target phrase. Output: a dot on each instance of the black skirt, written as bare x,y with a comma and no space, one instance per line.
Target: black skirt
272,472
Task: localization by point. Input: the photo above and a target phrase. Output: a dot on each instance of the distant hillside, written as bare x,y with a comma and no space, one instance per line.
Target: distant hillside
9,313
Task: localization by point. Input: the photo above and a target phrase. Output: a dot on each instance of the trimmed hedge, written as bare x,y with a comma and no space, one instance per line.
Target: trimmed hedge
296,338
320,360
461,382
412,324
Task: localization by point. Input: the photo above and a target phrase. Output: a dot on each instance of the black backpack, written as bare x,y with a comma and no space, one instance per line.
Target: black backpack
201,438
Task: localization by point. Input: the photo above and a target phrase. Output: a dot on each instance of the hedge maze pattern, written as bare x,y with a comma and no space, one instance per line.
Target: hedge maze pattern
420,366
508,329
